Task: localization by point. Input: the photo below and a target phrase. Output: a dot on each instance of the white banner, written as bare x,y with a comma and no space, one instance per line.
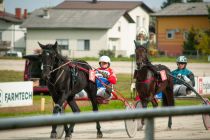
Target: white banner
16,94
203,85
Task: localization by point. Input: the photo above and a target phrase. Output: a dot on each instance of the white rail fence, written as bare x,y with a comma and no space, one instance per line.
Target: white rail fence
148,114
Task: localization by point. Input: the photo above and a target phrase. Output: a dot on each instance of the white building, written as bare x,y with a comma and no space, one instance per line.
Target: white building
12,37
84,28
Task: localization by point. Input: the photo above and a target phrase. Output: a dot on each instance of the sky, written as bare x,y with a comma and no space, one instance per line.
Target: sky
31,5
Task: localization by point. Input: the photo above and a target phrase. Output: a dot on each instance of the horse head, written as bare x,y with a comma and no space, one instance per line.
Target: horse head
141,54
49,54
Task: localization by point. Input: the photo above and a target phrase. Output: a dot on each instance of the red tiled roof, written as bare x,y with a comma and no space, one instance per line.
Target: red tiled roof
103,5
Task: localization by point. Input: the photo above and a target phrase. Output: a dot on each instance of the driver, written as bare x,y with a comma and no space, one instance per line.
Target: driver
182,73
106,76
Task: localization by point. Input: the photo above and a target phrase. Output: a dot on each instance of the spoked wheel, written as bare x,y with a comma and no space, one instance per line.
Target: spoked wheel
60,128
139,121
130,125
206,117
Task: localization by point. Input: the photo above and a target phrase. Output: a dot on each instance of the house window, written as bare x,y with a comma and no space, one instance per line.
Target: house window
119,29
185,35
143,22
170,34
83,45
137,22
63,44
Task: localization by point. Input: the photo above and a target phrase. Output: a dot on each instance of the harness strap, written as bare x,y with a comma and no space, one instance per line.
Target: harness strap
146,81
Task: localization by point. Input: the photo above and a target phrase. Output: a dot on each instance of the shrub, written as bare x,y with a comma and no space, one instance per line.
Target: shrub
109,53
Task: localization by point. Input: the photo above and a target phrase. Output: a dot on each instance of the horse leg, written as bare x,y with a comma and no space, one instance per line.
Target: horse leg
98,126
168,100
144,105
74,107
92,89
57,108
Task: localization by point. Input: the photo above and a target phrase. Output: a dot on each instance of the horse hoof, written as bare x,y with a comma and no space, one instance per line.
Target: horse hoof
53,135
99,135
139,129
68,138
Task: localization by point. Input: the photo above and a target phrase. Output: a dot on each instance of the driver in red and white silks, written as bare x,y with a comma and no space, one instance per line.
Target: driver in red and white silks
106,76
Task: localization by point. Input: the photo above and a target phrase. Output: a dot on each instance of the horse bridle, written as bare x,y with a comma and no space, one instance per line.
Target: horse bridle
142,63
48,52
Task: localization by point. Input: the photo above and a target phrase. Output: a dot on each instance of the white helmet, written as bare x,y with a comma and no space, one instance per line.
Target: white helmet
104,59
181,59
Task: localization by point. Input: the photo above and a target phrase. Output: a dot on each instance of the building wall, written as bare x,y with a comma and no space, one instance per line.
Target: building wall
119,38
180,25
98,40
143,21
121,35
13,33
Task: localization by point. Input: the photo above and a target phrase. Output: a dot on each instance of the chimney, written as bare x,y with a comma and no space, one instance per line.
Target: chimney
25,14
94,1
46,13
18,13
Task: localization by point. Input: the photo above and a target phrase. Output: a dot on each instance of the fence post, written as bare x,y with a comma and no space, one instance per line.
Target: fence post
42,104
149,131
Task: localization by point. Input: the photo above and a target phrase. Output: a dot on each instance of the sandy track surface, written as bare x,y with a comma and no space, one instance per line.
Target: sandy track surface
199,69
183,128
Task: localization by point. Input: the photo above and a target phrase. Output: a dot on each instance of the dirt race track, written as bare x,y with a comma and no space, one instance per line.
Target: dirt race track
199,69
183,128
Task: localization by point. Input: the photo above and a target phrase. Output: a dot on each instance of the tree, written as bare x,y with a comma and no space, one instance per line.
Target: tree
208,12
203,39
169,2
194,1
189,44
1,1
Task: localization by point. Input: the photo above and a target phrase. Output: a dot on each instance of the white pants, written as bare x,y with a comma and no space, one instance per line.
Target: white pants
81,94
179,90
102,93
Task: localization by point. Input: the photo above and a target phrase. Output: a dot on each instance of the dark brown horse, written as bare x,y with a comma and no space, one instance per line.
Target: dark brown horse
65,79
149,81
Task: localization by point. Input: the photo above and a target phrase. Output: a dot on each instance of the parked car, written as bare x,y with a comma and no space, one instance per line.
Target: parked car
14,53
33,72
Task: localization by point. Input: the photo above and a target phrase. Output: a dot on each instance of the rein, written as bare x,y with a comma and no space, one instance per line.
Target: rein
87,71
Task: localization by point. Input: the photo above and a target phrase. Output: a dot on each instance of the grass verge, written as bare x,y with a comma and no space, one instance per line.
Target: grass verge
123,86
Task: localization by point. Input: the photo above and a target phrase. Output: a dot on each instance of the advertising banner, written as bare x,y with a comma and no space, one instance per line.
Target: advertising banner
14,94
203,85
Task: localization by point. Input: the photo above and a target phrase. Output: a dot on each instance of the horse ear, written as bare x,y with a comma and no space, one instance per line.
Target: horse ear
55,45
40,45
135,43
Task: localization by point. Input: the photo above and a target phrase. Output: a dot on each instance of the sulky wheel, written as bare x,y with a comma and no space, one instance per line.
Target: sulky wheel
130,125
206,117
139,121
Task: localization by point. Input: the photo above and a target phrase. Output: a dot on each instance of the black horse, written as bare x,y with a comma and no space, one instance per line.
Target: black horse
64,79
149,81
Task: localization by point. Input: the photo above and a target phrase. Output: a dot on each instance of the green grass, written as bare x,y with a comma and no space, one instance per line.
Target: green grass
10,76
123,86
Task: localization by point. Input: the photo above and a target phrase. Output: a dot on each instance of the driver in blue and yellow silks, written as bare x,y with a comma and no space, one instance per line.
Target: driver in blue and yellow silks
107,76
185,74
